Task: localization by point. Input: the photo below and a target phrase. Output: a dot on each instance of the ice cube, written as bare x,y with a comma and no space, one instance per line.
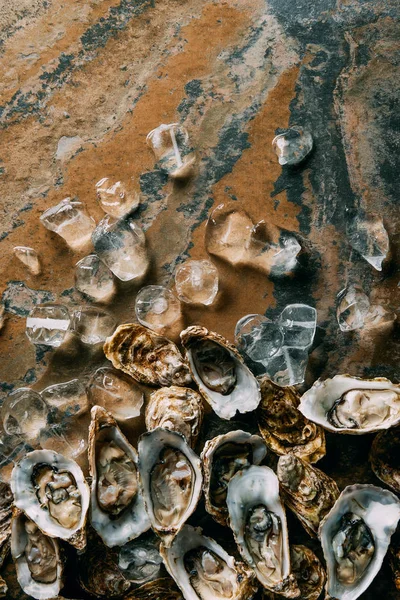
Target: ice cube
369,237
116,392
67,397
117,198
29,257
157,307
70,220
196,282
92,325
171,146
258,337
294,366
67,434
121,245
94,279
48,324
292,145
24,413
298,323
352,308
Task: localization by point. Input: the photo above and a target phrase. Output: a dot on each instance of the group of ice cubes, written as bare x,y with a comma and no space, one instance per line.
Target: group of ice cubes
279,347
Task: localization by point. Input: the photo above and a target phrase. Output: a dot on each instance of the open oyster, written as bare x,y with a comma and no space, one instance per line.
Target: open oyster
219,371
148,357
307,491
117,508
355,536
37,559
171,479
222,458
204,571
346,404
52,491
284,428
178,409
384,457
258,521
140,559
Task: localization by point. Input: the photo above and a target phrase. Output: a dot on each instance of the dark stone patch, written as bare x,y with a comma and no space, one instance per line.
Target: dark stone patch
19,299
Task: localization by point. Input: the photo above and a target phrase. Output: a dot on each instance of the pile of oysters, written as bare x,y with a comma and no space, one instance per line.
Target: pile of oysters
180,477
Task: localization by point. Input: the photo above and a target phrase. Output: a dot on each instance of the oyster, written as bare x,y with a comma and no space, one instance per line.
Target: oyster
204,571
117,509
258,521
308,571
37,559
346,404
6,501
222,458
140,559
384,457
284,428
307,491
355,536
219,371
159,589
178,409
52,491
171,479
146,356
394,558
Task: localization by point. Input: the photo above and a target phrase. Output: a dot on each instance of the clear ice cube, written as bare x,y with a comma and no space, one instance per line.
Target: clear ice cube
70,220
67,435
94,279
29,257
92,325
121,245
67,397
116,392
298,323
368,236
117,198
140,561
258,337
293,367
292,145
48,324
196,282
352,308
24,413
171,146
12,449
157,307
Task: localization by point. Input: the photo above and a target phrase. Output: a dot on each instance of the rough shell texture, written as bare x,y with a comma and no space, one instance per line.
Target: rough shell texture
178,409
384,457
380,511
322,397
284,428
394,558
307,491
243,394
6,501
25,496
146,356
241,580
160,589
221,458
132,521
308,571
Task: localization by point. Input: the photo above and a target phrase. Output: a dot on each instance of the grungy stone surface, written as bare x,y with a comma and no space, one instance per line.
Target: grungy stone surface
82,84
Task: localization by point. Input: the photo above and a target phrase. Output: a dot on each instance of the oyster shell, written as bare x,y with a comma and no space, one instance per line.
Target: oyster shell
140,559
37,559
355,536
258,521
117,509
307,491
284,428
384,457
159,589
177,409
52,491
203,570
394,558
219,371
308,571
346,404
6,502
171,480
222,458
146,356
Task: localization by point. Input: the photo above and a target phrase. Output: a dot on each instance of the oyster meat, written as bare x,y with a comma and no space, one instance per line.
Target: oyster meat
140,559
384,457
307,491
258,521
52,491
346,404
146,356
171,480
222,457
37,559
219,371
355,537
117,509
284,429
177,409
204,571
